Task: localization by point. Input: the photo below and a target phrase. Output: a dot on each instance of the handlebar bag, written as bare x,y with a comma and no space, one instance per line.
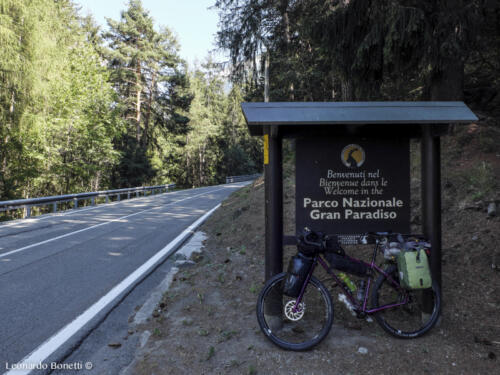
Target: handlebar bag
414,271
298,269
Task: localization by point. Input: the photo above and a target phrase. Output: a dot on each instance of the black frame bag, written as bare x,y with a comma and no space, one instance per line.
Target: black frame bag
346,264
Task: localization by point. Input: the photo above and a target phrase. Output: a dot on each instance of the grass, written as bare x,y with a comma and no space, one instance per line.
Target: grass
157,332
187,322
254,288
475,183
211,353
201,298
203,332
220,278
488,139
227,335
482,179
252,370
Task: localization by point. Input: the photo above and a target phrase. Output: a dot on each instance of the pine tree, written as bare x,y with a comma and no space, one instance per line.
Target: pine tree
357,49
149,78
218,144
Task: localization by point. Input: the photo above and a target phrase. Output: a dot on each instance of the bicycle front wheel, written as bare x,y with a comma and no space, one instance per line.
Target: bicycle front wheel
412,319
298,329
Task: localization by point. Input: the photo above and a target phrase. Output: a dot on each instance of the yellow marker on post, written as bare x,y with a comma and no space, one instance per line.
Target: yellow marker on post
266,149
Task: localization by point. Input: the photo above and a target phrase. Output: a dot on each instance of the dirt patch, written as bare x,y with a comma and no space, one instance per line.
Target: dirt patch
207,322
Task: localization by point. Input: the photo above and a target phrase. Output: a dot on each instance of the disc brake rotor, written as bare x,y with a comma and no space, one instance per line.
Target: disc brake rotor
298,313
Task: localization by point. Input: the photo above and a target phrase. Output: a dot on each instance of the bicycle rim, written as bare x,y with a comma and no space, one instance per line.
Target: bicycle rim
294,329
412,319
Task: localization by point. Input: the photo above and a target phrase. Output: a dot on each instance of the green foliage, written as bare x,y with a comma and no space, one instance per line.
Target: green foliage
210,354
218,143
82,110
148,76
481,180
361,49
56,122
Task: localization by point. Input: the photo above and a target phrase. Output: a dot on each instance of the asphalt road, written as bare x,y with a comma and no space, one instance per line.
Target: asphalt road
55,267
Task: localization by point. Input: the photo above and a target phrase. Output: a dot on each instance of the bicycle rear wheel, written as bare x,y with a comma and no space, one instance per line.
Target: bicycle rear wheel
412,319
294,330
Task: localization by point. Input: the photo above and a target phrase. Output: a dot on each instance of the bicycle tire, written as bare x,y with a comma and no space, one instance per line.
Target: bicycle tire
409,320
302,334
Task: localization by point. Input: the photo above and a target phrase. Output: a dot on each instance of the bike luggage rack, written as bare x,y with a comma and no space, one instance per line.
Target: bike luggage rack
344,239
28,204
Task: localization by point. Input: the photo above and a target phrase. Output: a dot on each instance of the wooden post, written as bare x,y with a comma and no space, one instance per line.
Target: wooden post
431,206
431,196
273,203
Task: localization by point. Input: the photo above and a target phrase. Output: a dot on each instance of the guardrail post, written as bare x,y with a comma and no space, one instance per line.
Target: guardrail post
75,203
54,207
128,195
118,197
92,201
27,211
137,194
107,198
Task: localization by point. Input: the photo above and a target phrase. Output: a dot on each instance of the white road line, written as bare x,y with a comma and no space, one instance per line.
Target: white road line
100,225
55,342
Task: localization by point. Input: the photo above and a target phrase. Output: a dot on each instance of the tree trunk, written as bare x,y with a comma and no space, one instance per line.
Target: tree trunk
138,101
147,116
287,39
447,75
447,80
347,90
200,166
266,77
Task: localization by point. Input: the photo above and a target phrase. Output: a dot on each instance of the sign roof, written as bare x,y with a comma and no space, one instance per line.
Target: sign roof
260,114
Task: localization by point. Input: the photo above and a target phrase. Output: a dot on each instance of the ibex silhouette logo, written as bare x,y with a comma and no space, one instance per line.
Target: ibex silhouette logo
352,156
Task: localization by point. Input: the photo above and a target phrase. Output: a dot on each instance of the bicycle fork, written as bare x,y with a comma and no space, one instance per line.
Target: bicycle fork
304,285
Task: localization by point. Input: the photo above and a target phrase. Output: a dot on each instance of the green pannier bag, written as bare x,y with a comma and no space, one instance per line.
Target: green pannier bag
413,267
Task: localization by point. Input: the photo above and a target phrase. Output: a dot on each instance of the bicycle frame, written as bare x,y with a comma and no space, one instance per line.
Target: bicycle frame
360,308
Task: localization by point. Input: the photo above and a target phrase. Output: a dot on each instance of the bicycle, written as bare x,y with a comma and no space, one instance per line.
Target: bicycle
304,320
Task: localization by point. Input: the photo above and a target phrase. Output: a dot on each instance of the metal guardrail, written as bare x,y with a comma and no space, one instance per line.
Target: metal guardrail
247,177
27,204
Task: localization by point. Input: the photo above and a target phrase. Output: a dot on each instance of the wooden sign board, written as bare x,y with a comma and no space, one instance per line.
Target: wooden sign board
352,186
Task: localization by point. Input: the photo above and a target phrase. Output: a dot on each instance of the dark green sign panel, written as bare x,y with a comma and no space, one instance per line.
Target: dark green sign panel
353,186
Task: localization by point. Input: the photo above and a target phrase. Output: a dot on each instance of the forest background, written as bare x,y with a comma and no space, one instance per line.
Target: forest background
83,109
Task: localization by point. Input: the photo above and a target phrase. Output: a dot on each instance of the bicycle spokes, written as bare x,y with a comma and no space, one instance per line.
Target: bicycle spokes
406,314
291,325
